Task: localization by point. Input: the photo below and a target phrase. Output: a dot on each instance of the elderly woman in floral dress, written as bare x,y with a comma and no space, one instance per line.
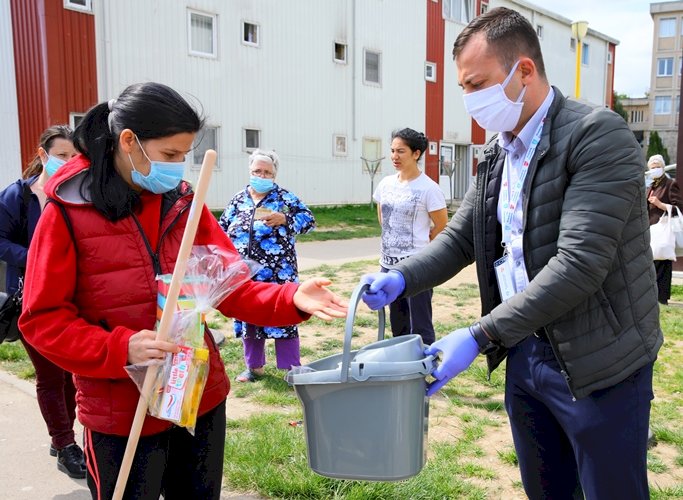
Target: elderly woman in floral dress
262,221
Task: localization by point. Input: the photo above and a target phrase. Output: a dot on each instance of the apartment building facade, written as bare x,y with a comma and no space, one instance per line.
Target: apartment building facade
322,83
665,80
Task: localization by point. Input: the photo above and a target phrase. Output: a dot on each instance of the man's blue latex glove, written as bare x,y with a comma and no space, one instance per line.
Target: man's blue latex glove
384,288
459,350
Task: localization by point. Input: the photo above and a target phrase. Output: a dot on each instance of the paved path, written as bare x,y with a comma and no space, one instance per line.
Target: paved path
334,253
27,471
316,253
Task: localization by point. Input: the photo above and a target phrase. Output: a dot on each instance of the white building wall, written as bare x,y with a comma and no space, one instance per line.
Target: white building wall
289,87
11,167
292,90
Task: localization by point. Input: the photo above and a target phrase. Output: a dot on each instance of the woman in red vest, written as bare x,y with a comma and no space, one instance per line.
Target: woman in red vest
115,221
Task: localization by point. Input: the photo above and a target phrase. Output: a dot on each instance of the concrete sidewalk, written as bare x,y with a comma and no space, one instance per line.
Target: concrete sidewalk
28,471
336,252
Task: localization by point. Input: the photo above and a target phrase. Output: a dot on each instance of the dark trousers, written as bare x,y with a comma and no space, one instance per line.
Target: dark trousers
664,269
56,397
413,315
174,462
597,444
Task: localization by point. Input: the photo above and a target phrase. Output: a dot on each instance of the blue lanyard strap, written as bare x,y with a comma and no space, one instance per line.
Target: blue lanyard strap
510,195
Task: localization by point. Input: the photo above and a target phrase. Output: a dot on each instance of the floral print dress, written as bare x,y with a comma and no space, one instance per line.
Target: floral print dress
272,247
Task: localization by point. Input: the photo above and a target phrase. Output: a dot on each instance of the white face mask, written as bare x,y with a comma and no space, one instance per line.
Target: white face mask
656,172
491,107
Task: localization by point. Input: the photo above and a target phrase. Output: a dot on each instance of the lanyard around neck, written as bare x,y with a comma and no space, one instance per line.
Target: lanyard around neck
510,195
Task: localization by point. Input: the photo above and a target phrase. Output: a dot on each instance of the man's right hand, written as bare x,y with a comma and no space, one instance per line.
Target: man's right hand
384,288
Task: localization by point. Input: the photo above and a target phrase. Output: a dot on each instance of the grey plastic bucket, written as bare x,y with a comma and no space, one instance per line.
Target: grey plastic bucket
366,411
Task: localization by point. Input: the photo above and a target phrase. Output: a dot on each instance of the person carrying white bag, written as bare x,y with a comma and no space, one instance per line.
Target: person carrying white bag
663,197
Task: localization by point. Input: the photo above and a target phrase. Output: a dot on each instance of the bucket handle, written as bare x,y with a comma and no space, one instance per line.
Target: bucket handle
353,304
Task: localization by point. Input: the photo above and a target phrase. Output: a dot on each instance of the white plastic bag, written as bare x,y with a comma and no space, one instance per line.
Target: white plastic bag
663,239
677,223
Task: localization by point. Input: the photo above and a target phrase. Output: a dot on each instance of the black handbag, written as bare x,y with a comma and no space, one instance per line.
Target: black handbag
10,309
10,305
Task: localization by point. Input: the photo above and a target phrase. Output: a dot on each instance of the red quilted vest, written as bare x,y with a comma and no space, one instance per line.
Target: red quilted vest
122,291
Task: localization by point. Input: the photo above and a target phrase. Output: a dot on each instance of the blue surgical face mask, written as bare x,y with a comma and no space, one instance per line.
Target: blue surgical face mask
163,175
260,185
52,165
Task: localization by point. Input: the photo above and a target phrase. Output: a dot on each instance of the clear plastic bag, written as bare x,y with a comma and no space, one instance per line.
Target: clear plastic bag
212,274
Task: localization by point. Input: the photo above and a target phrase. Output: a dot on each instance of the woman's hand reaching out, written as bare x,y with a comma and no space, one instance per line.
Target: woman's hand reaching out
314,298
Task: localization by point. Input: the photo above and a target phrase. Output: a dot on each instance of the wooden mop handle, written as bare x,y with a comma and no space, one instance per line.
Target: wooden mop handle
166,317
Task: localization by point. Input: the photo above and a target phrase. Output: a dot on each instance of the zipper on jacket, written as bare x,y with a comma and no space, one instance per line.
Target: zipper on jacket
563,368
567,379
525,212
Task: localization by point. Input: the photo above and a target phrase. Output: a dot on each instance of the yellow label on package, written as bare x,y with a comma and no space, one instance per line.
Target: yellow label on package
174,392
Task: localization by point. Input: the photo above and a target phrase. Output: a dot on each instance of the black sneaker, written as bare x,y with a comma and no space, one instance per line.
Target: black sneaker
70,460
53,451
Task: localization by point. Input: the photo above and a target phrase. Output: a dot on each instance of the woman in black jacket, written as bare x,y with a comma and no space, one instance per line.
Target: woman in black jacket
22,201
662,194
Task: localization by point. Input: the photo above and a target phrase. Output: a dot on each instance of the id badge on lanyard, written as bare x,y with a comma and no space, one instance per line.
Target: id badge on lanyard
505,276
511,280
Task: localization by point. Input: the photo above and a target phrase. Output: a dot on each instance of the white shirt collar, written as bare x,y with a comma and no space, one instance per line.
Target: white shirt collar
508,141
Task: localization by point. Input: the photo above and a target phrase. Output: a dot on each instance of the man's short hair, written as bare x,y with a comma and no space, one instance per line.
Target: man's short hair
509,35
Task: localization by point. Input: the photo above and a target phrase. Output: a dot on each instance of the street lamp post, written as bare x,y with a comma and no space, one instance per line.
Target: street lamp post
579,30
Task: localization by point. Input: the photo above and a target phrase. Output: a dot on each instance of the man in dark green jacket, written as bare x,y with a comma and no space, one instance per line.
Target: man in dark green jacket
557,225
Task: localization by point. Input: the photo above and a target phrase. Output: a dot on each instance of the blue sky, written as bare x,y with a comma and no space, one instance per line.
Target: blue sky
629,22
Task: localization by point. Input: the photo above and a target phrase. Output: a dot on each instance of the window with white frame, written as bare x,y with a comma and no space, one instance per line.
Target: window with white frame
678,103
585,54
339,145
539,31
250,34
609,58
202,33
665,66
572,44
430,71
458,10
667,27
75,119
251,139
372,68
206,139
80,5
662,105
340,52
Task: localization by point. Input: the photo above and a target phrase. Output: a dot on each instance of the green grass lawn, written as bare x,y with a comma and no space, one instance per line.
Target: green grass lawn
340,223
266,454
